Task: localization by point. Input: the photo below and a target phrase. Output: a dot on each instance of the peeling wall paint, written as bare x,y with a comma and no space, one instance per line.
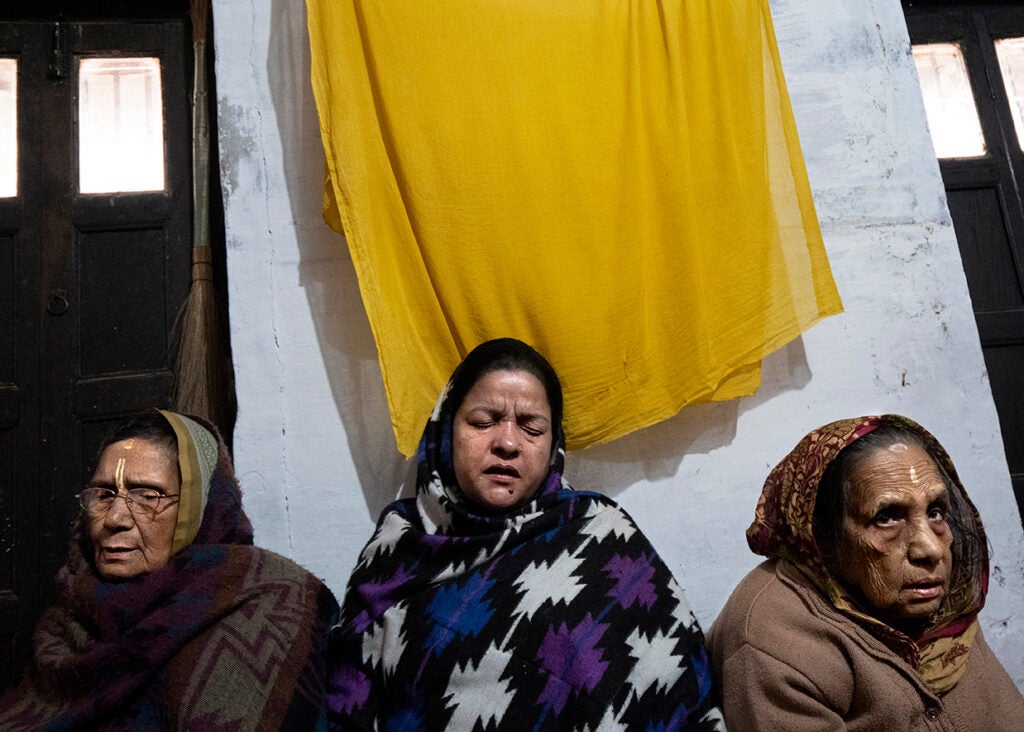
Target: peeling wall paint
314,448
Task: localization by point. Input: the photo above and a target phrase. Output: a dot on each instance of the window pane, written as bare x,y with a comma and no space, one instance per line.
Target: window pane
1011,62
948,101
8,127
120,125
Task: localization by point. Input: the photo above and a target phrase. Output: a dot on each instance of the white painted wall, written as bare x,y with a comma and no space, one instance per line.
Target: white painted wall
313,444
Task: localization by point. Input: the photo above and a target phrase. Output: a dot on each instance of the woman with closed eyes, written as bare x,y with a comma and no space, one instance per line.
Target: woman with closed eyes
501,598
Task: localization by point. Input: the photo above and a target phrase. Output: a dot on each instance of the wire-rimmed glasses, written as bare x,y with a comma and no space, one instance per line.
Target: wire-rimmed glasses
97,501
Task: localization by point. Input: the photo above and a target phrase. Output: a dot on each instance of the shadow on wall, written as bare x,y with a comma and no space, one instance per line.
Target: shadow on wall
656,452
326,271
350,354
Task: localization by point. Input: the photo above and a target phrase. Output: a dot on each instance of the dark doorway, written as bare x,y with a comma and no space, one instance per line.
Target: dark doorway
90,283
984,192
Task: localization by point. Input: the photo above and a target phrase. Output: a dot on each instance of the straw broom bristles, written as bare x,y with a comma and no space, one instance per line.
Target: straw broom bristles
204,384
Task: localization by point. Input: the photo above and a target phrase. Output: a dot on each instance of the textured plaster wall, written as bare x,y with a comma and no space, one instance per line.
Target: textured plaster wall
313,444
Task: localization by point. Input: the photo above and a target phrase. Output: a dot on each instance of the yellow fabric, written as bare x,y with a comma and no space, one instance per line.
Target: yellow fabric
618,183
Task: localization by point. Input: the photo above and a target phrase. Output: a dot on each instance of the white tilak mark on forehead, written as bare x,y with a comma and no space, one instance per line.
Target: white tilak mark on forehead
119,474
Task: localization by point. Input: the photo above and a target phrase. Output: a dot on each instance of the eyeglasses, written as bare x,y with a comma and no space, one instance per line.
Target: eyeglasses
97,501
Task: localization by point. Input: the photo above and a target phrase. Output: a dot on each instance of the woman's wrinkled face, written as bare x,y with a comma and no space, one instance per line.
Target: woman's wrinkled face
128,541
501,439
896,537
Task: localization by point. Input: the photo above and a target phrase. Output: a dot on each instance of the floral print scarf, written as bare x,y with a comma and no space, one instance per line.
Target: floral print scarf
783,529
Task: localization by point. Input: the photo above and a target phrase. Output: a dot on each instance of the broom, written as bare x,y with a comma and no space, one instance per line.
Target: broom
204,384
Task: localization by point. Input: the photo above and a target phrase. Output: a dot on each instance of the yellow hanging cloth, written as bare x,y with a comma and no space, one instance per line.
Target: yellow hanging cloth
618,183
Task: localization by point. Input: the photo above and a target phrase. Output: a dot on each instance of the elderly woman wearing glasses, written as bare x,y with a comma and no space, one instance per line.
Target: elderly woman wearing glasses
167,617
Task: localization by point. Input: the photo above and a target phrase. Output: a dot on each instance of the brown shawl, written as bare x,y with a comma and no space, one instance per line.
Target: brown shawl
225,636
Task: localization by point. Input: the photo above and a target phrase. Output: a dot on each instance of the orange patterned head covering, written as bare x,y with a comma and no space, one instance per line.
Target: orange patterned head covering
783,528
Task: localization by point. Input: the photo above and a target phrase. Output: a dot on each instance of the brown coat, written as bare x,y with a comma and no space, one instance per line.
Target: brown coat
786,660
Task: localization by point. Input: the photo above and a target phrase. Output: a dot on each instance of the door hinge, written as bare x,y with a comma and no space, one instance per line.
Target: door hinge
57,69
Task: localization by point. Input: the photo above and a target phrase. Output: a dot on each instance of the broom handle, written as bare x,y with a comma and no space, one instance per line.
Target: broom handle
200,137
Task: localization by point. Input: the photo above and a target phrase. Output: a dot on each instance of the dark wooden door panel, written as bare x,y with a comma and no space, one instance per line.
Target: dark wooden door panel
20,263
986,248
1003,364
986,204
123,301
90,286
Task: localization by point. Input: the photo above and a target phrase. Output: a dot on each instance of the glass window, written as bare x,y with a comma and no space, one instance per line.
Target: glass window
1011,62
120,125
948,101
8,127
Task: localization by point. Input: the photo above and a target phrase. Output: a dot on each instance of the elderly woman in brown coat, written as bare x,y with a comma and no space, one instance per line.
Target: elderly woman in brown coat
865,615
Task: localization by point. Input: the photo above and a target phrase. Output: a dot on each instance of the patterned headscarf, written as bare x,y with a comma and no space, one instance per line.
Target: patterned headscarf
783,527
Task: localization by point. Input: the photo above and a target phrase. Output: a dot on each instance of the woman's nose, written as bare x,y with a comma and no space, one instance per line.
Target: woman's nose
119,514
506,441
926,545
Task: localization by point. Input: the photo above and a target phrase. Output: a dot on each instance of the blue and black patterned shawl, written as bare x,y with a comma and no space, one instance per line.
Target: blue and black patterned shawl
557,615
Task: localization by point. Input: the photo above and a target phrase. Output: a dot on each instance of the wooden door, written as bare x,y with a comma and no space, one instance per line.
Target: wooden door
984,193
90,284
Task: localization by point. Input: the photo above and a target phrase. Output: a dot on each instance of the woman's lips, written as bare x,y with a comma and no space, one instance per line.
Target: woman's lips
928,590
502,470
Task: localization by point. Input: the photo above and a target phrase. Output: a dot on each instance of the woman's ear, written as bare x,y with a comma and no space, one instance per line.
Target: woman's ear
557,438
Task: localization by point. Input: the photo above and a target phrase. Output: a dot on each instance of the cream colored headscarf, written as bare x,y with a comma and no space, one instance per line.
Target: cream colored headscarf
197,458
